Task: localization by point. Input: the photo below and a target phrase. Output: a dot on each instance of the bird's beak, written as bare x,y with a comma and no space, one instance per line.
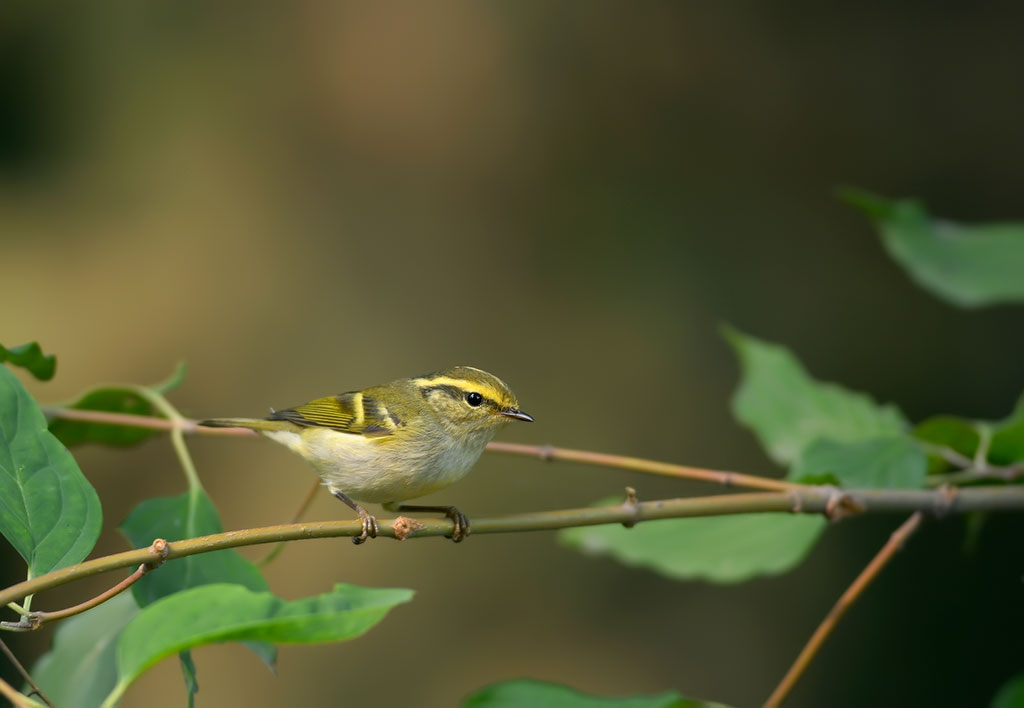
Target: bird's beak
517,414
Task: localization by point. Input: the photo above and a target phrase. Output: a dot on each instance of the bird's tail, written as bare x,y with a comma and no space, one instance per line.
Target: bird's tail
250,423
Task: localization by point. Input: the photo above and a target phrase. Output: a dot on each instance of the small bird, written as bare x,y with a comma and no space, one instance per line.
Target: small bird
397,441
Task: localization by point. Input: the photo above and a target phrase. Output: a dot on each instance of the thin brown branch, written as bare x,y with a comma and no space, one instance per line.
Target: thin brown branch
846,600
44,617
24,673
812,500
34,620
637,464
142,421
536,521
544,452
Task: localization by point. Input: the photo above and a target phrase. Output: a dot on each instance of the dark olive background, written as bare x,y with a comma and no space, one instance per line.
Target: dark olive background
307,198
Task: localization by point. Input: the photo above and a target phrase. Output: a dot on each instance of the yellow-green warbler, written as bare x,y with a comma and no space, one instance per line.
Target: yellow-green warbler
397,441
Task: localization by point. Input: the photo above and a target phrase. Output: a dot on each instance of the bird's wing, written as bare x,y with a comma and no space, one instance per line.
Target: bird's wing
353,413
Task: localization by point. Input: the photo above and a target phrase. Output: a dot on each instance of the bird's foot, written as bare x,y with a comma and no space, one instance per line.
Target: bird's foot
368,519
369,526
461,521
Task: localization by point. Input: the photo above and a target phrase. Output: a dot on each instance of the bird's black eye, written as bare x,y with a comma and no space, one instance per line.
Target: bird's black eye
474,399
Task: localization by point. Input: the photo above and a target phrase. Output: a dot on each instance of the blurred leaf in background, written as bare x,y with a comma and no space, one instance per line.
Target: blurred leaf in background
113,399
30,356
525,693
966,265
79,670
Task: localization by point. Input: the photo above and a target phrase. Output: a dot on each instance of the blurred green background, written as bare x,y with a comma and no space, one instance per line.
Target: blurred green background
306,198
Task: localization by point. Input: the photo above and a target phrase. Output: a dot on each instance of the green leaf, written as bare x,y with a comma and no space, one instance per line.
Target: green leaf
48,510
1011,694
30,356
526,693
889,463
223,612
1007,444
966,265
112,399
720,549
79,669
787,409
189,515
958,434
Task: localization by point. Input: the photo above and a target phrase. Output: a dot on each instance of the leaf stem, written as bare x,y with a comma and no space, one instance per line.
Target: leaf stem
846,600
115,695
179,422
999,473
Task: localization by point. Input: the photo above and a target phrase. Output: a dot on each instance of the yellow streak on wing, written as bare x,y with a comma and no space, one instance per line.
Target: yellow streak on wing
328,411
357,406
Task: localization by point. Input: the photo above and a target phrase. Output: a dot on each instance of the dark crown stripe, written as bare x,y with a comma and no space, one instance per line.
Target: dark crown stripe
453,391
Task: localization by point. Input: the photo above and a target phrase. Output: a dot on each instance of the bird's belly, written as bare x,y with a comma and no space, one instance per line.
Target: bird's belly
375,470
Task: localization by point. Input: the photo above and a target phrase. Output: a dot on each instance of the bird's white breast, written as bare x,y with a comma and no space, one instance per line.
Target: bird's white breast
384,469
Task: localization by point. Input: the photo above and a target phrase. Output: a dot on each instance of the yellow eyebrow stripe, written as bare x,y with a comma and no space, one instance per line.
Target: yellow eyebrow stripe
462,384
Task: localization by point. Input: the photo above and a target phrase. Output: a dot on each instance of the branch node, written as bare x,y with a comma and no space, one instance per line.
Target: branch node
162,549
26,623
632,505
945,500
404,526
841,504
546,452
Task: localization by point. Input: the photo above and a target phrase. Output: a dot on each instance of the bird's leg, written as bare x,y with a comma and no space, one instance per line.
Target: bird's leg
369,521
460,520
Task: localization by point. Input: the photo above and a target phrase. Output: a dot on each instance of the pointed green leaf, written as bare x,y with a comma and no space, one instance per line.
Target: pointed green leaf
894,462
1011,694
720,549
172,382
222,613
966,265
787,409
526,693
30,356
48,510
1007,444
79,669
112,399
